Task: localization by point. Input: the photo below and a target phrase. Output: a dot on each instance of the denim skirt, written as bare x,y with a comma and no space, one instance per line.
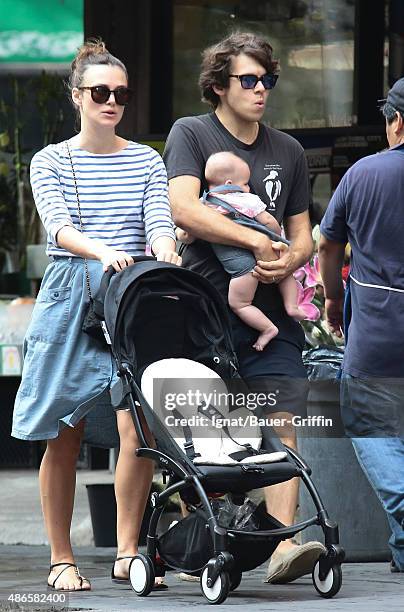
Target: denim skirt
66,373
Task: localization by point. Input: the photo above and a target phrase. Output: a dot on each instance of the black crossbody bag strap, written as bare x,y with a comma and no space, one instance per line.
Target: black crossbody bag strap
80,220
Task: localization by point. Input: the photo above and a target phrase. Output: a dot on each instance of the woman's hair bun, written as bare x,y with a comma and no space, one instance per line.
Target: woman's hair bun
91,53
92,46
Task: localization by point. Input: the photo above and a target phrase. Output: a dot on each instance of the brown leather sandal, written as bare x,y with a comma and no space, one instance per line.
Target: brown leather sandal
76,569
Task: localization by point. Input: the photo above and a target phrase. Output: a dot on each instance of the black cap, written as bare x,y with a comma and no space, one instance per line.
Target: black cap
395,97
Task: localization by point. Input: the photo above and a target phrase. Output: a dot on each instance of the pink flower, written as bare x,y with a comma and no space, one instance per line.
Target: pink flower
304,301
299,274
313,277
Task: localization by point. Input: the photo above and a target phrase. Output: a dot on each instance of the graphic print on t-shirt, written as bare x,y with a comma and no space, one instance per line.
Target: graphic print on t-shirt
273,185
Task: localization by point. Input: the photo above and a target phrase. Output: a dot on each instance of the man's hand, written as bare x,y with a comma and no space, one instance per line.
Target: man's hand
275,270
262,248
334,315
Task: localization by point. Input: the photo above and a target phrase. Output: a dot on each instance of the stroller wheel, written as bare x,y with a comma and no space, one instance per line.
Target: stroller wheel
217,593
332,582
141,575
235,579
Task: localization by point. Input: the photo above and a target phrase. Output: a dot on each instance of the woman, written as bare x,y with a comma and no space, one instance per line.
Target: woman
122,192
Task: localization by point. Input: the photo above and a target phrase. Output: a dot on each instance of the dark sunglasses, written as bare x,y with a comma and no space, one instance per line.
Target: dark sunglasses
249,81
100,94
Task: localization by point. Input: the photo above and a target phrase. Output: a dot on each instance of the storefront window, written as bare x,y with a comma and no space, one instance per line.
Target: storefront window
313,39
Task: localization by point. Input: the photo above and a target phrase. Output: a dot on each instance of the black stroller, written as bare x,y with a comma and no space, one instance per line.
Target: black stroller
168,326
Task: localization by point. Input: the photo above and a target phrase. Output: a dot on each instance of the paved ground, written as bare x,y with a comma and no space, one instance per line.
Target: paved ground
24,563
20,509
368,587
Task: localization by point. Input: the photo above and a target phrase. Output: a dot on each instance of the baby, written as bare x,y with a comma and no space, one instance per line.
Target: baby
227,169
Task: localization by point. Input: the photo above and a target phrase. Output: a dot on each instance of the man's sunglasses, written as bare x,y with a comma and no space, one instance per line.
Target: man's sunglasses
249,81
100,94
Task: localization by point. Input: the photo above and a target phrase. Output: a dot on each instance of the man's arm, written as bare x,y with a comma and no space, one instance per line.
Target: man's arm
298,231
331,259
208,224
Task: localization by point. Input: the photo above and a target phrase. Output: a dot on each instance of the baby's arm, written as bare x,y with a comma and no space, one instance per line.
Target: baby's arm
184,236
269,220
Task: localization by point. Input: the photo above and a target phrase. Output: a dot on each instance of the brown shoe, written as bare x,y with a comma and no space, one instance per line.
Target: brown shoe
298,562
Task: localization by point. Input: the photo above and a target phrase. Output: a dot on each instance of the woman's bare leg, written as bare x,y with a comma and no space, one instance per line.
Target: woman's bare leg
133,478
57,481
241,294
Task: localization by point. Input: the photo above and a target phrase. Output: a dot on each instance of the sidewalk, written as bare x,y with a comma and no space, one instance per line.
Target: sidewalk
24,567
20,509
368,587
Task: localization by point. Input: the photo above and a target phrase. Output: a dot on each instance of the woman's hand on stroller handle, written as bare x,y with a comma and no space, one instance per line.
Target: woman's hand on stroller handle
117,259
163,248
169,257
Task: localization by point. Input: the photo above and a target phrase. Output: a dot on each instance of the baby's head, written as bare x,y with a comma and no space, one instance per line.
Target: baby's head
226,168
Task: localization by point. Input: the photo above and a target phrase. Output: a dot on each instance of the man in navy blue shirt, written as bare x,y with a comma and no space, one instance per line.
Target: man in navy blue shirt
367,210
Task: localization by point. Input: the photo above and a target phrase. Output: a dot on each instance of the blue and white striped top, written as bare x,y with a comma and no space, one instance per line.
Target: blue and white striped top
123,196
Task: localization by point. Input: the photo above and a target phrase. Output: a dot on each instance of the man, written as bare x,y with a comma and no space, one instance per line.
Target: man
367,210
236,77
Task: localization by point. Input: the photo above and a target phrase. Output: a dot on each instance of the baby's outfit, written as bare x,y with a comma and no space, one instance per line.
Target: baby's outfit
235,260
246,203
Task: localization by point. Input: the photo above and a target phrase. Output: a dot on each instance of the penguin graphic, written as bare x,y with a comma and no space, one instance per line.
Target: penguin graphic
272,187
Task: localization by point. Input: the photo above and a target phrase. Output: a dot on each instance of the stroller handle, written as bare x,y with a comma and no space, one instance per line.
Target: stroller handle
106,279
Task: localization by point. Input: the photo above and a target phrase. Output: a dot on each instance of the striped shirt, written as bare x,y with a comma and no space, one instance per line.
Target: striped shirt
123,196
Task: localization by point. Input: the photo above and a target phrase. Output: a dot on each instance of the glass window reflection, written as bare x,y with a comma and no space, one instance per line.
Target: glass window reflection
313,39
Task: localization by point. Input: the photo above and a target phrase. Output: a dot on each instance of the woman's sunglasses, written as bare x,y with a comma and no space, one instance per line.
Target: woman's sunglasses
100,94
249,81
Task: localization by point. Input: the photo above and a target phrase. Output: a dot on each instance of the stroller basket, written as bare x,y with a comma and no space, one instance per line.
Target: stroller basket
187,545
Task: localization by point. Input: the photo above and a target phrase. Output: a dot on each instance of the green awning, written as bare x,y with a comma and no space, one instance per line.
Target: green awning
40,30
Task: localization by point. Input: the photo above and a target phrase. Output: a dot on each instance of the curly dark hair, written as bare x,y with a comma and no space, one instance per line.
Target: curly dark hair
216,61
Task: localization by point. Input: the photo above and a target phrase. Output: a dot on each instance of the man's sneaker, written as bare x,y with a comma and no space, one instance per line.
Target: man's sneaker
297,562
188,577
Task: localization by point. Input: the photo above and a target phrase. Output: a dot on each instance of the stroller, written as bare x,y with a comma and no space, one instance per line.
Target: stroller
169,331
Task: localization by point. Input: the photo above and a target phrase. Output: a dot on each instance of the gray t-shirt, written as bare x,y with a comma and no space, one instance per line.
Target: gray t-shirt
279,176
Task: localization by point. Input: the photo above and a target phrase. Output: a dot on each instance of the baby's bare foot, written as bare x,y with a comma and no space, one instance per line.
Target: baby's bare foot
265,337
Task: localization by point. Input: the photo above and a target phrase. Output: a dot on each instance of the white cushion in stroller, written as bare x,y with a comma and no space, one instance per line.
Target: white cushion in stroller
213,444
262,458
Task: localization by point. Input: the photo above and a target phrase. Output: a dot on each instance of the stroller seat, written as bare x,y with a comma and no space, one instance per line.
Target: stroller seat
223,443
234,478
